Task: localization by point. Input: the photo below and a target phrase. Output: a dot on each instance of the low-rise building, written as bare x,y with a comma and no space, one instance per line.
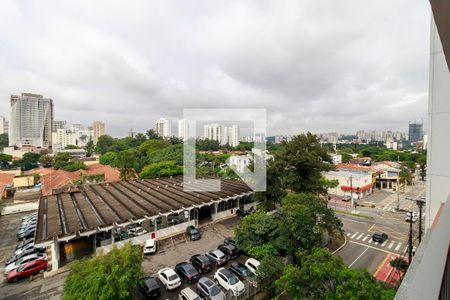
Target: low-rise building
356,184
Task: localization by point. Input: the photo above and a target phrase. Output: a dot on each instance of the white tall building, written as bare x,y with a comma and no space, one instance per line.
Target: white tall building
4,125
233,135
164,128
183,129
99,129
63,137
31,121
216,132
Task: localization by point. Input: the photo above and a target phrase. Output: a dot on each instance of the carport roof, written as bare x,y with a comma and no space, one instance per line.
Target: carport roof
91,208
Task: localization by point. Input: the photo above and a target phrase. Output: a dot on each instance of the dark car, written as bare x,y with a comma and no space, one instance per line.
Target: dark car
229,240
149,287
201,263
379,237
241,213
23,235
24,243
240,270
193,233
187,272
207,289
229,250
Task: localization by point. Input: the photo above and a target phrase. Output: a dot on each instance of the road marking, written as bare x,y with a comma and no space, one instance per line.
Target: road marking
362,234
406,249
358,257
348,233
371,247
384,243
364,239
390,245
371,227
370,241
354,235
398,246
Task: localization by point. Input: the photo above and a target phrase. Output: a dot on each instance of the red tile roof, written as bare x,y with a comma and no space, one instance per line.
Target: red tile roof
5,179
347,166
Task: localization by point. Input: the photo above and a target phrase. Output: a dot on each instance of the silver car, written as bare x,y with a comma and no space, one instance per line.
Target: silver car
208,289
217,257
24,260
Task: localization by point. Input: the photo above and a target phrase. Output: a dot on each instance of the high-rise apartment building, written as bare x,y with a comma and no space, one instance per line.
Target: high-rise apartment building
233,135
4,125
59,125
164,128
183,129
63,137
415,132
99,129
31,121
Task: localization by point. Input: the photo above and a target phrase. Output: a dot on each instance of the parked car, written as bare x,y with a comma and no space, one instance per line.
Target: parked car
346,198
169,278
379,237
27,270
29,246
229,240
29,233
229,250
23,243
227,280
27,252
193,233
187,272
241,212
23,260
188,294
30,216
252,264
201,263
149,287
240,270
150,246
217,257
136,231
208,289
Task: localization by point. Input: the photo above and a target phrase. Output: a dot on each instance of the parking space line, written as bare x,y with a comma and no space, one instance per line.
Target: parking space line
370,241
354,235
358,257
348,234
362,234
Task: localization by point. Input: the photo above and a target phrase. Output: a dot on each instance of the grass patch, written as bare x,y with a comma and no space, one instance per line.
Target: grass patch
343,212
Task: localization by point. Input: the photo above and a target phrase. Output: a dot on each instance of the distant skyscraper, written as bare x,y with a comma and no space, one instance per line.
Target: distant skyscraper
98,130
4,125
31,121
183,129
415,132
216,132
164,128
233,135
59,125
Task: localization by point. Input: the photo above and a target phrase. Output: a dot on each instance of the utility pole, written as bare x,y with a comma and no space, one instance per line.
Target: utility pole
410,243
398,186
420,203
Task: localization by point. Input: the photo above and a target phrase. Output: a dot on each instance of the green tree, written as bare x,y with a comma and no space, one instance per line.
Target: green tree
111,276
274,188
152,135
109,158
73,166
152,145
104,144
5,160
127,162
29,161
422,167
303,160
320,275
90,148
46,161
207,145
61,157
261,251
161,169
4,141
270,269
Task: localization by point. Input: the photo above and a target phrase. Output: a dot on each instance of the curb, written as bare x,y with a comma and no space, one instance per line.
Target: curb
342,246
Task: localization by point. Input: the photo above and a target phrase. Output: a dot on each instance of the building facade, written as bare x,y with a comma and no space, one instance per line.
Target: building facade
63,137
233,135
415,132
216,132
31,121
164,128
4,125
98,129
183,129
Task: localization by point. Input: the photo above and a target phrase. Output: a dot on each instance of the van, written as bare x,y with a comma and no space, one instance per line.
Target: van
150,246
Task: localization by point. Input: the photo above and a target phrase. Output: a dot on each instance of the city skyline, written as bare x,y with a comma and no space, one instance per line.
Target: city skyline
134,72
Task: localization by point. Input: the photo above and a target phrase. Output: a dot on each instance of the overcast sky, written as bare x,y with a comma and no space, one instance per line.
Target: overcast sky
319,65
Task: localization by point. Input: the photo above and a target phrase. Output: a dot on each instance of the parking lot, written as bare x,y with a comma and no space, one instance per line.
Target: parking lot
171,251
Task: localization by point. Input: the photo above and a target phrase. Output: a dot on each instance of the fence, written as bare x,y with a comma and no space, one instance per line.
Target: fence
251,289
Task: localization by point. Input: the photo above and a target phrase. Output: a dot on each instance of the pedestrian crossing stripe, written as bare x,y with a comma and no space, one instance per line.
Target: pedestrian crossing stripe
354,235
363,237
362,234
398,246
384,243
390,245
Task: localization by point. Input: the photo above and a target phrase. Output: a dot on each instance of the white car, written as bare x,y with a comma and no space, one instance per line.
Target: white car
411,217
169,278
252,264
23,260
226,279
150,246
188,294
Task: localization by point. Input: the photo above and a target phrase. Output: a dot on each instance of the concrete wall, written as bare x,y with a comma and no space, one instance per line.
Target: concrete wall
438,171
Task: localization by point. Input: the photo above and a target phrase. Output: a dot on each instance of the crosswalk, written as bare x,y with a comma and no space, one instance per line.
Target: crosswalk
389,208
388,245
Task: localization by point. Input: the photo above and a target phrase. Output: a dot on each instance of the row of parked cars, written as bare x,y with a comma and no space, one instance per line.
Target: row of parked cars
230,279
27,259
